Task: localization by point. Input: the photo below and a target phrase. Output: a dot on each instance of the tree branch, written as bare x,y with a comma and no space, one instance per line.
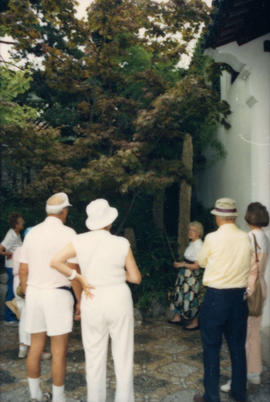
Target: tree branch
5,42
120,227
9,62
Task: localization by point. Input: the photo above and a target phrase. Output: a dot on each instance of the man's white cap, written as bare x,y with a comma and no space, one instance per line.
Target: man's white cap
56,203
100,214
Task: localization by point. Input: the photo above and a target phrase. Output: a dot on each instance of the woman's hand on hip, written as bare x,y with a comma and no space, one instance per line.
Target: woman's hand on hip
86,286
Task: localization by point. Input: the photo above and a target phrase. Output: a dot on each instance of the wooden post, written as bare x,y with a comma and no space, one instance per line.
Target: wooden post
185,197
158,209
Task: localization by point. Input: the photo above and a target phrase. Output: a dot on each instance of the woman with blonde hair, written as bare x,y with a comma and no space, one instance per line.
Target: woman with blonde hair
107,262
188,282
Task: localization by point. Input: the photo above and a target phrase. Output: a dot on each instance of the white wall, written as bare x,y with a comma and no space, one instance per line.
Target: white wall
245,172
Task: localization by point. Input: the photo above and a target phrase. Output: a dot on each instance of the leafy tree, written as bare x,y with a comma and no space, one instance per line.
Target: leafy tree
114,106
98,75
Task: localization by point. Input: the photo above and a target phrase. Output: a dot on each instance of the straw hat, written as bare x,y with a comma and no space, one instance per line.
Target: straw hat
225,207
100,214
56,203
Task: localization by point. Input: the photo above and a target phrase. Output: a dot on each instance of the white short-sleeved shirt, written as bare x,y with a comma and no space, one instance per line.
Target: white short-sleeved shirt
11,241
101,257
39,247
193,249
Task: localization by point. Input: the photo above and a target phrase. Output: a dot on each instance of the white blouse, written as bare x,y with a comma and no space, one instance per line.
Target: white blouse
101,257
192,251
262,241
11,241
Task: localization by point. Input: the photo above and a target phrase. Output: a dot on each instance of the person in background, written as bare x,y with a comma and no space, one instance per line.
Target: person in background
48,298
226,256
3,285
256,217
188,282
17,304
11,241
107,262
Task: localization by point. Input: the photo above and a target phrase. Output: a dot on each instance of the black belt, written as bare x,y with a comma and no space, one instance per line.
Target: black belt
65,288
188,261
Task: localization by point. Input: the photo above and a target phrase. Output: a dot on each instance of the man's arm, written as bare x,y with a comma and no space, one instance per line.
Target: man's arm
23,275
204,253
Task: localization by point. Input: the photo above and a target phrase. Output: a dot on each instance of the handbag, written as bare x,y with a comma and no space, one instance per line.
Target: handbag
255,301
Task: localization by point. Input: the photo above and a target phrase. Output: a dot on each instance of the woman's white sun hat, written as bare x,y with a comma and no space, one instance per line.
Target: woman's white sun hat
225,207
100,214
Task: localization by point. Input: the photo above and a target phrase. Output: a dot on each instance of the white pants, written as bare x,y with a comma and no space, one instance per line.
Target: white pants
24,337
110,312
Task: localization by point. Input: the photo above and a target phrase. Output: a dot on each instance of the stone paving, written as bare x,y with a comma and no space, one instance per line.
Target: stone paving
168,367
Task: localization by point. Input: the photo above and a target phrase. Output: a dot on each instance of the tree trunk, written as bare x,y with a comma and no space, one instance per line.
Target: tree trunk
158,209
1,165
185,197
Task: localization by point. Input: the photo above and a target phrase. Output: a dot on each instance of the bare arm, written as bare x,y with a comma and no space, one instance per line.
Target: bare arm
77,289
76,286
133,274
194,265
23,275
5,252
59,263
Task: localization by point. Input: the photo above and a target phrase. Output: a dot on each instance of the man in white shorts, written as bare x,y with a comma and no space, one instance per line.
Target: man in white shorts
48,300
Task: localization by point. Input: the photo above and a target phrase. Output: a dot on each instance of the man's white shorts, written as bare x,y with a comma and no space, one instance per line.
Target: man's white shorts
48,310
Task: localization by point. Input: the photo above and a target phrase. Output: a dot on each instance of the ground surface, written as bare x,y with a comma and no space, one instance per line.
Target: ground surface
168,367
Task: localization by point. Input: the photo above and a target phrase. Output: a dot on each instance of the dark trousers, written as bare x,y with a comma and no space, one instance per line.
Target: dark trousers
224,312
8,314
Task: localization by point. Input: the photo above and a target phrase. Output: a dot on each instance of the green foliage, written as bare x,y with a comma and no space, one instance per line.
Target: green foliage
11,85
105,111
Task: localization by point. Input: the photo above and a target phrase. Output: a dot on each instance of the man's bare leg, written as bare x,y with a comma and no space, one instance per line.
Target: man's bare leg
34,354
33,364
59,346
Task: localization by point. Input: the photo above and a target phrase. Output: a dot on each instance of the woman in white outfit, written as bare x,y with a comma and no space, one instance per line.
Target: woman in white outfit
256,217
107,262
24,337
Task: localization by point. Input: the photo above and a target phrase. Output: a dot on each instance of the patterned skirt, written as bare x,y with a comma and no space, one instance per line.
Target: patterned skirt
187,290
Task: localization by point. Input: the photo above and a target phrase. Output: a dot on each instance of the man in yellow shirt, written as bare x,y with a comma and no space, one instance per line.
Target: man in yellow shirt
226,256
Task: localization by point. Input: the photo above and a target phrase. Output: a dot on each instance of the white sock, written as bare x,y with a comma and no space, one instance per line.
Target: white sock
58,393
34,388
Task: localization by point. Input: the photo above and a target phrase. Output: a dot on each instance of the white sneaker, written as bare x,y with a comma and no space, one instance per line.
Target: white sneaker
254,378
22,352
226,387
